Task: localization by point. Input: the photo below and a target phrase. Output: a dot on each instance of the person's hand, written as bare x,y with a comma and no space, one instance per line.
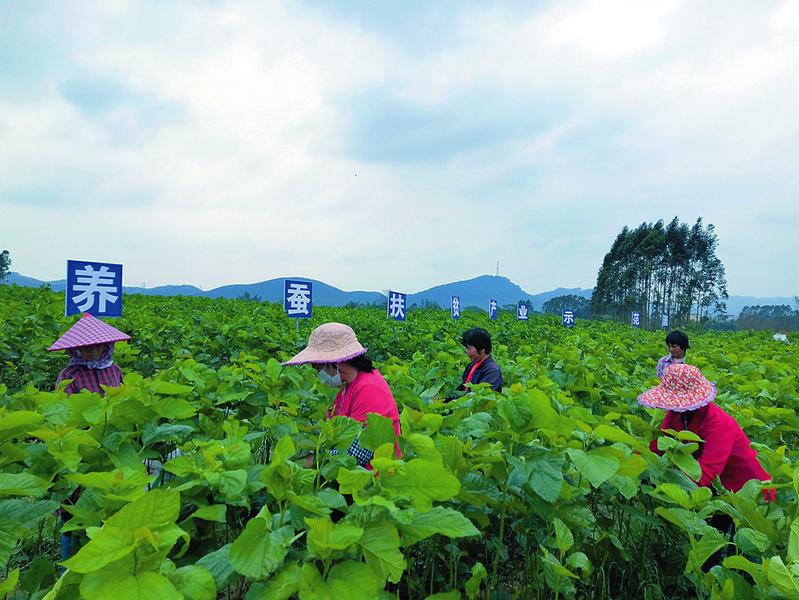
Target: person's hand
309,461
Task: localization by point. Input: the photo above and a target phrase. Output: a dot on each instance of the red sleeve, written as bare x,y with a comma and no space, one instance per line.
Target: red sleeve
370,399
719,436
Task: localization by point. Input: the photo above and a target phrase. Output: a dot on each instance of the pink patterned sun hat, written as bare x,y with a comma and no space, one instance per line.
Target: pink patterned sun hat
329,343
87,331
683,388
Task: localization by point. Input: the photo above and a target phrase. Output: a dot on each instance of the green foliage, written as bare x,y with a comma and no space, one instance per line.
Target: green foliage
547,489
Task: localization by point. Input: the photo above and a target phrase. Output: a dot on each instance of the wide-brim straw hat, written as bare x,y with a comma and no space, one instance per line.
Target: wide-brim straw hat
329,343
683,388
88,331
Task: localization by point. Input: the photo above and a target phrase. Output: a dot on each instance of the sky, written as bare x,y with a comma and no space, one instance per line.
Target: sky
377,145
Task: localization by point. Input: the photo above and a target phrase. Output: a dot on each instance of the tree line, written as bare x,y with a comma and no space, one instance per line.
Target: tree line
658,269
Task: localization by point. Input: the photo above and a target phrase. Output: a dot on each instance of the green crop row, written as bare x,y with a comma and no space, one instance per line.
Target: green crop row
548,490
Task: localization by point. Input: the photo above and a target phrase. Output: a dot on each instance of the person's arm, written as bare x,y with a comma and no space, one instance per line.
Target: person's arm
719,436
663,363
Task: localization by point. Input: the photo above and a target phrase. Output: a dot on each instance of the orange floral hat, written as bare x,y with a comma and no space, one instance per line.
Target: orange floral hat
683,388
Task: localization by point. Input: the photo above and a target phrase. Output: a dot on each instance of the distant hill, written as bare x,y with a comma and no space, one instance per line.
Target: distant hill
473,292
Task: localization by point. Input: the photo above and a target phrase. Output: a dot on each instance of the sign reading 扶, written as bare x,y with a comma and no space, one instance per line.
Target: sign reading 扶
664,321
567,317
635,319
298,299
395,306
522,311
455,308
492,309
93,287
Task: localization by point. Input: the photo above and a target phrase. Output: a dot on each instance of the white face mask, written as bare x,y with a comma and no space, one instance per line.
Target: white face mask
331,380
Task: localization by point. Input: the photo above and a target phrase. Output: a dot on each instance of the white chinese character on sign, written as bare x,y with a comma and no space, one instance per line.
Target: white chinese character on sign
636,319
664,321
568,317
456,307
492,306
298,298
94,285
522,312
396,306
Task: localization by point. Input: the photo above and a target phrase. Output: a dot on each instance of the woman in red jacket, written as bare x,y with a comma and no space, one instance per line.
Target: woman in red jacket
726,452
341,362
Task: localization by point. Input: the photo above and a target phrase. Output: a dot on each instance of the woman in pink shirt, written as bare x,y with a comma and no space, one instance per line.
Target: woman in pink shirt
341,361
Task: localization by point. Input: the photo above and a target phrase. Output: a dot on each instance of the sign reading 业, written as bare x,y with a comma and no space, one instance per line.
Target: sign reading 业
492,309
567,317
395,306
664,321
522,311
298,299
635,319
455,308
94,288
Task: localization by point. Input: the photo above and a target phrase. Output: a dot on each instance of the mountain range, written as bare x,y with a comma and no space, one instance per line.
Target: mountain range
472,292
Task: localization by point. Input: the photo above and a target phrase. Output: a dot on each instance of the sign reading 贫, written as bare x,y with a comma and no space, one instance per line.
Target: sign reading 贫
298,299
395,305
567,318
455,308
93,287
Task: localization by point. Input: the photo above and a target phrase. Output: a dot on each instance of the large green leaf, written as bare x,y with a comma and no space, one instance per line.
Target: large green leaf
257,552
324,536
416,526
110,544
379,430
281,586
347,579
597,466
194,582
142,586
22,484
421,482
380,546
154,509
782,578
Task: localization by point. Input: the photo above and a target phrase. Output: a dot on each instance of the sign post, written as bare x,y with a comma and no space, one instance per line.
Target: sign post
522,311
395,305
455,308
664,321
567,317
492,309
298,300
635,319
93,287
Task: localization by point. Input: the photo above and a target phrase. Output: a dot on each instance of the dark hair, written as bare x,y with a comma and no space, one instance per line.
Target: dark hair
479,338
678,338
362,363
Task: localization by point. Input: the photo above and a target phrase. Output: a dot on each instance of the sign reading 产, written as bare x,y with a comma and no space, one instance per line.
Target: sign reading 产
492,309
395,307
93,287
567,317
455,308
664,321
522,311
635,319
298,299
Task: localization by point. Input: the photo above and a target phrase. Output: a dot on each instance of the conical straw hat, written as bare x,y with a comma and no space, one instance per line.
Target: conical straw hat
88,331
329,343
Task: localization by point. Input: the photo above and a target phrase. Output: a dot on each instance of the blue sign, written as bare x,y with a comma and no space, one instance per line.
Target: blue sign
664,321
567,317
298,299
522,311
635,319
492,309
455,308
395,306
94,288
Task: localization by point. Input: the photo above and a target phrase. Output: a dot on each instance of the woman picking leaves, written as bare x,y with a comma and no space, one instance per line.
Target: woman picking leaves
341,362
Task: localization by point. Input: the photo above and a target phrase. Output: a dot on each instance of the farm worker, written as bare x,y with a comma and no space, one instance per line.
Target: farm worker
90,345
687,397
341,362
481,368
677,344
